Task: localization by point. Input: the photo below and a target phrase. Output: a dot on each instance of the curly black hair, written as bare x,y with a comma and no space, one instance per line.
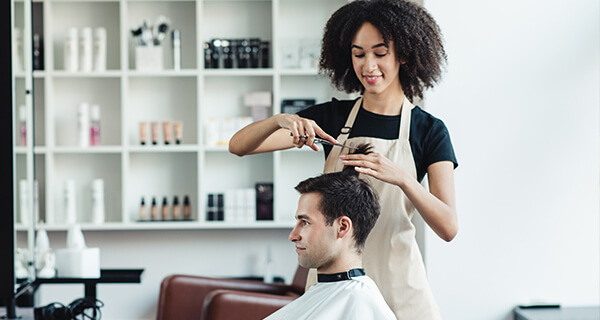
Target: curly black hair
416,37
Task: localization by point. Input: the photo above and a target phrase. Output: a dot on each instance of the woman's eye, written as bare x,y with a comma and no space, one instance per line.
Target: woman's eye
359,55
380,55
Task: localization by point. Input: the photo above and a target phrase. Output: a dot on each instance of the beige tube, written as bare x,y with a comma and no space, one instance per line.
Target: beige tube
167,131
143,214
154,210
143,132
165,209
178,126
176,209
187,210
154,132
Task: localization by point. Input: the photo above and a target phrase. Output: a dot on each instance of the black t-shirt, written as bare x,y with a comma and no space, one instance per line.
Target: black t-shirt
429,138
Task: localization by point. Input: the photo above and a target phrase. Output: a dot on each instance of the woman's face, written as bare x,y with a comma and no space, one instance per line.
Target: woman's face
374,62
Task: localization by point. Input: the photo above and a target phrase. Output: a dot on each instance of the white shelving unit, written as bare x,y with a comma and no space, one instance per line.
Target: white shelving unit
192,95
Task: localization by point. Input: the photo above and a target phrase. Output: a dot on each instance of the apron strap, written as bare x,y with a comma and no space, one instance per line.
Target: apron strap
407,107
345,132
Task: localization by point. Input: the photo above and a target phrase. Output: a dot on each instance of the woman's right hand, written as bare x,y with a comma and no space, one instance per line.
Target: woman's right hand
302,130
273,134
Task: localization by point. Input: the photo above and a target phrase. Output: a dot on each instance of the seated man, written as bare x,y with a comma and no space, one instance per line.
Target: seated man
336,212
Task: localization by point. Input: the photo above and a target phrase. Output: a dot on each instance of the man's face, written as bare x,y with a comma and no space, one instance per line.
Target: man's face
315,241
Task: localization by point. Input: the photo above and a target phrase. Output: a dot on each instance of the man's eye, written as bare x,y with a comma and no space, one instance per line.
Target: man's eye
304,222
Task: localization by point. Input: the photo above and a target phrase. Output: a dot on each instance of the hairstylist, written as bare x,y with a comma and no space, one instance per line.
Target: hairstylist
390,51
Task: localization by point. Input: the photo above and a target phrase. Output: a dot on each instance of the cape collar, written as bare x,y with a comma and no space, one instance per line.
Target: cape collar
347,275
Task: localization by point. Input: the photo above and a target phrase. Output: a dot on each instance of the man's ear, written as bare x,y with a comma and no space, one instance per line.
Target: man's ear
344,227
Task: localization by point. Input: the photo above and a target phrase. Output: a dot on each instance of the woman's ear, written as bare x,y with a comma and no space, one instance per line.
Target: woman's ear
344,227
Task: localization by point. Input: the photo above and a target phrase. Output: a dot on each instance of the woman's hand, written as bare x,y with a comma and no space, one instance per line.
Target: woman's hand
302,130
273,134
437,206
376,165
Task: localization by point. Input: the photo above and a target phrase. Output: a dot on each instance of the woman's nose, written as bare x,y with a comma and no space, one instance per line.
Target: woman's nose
370,64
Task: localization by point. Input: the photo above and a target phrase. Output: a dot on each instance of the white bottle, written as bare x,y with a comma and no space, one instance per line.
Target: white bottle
86,49
176,37
42,246
100,49
69,202
22,125
98,201
95,125
86,41
71,53
268,276
83,120
17,51
24,202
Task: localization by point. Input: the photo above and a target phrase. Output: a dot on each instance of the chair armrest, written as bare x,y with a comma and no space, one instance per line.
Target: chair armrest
239,305
181,296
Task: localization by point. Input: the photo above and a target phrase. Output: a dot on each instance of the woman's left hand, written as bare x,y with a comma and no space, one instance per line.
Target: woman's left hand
376,165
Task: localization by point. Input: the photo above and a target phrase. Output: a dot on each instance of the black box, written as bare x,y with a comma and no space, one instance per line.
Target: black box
293,106
264,201
265,54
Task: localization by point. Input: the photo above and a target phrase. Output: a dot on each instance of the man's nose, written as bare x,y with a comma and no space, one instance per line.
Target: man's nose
293,237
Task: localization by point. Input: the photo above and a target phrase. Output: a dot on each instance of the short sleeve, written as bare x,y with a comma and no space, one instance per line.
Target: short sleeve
438,145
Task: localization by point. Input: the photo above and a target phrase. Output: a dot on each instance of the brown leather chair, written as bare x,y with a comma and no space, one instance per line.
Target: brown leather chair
182,296
236,305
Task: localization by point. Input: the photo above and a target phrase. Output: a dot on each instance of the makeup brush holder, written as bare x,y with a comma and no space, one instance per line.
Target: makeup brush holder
149,58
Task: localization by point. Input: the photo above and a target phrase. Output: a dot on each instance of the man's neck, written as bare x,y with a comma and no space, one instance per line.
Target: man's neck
343,263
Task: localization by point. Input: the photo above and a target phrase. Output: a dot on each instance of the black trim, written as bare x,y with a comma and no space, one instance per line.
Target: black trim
348,275
7,219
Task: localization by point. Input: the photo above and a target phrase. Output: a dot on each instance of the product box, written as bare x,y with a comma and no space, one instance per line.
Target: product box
293,106
78,263
148,58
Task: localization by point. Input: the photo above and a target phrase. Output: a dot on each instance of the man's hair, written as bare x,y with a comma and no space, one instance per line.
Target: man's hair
345,194
416,36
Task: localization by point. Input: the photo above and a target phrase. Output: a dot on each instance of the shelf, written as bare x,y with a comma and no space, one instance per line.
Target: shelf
163,73
168,225
86,150
36,150
238,72
163,148
192,96
79,74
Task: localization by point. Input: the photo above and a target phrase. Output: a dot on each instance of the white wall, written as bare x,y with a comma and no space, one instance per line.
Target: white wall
521,99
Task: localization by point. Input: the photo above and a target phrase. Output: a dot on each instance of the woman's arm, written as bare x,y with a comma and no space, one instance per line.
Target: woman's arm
437,206
273,134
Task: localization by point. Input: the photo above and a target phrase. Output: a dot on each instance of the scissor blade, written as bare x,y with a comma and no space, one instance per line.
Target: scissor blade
323,141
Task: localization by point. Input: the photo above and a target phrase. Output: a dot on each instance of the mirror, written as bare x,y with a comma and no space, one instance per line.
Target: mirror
18,226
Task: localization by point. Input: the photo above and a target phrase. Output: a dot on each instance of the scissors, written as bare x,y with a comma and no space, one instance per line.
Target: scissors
323,141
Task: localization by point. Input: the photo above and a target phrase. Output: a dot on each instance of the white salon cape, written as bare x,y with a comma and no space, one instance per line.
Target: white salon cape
357,298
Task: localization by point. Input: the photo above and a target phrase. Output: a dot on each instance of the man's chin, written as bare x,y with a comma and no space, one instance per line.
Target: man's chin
305,264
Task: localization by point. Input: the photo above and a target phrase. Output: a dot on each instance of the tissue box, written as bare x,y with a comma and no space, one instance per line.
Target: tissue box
149,58
78,263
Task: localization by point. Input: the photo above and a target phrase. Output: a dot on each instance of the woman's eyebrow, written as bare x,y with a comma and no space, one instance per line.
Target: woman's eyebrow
373,47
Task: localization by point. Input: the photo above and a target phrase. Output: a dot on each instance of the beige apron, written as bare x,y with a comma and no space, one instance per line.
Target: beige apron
391,256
